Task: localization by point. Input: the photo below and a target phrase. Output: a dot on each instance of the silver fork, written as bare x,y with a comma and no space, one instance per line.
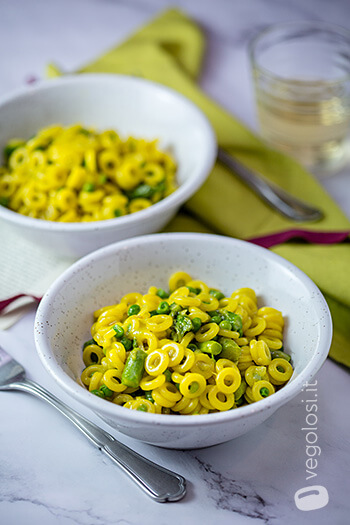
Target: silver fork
286,204
158,482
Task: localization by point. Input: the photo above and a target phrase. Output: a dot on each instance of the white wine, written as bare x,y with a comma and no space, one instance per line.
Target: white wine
314,131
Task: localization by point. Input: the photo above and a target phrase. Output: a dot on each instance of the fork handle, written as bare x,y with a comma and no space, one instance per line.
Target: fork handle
286,204
158,482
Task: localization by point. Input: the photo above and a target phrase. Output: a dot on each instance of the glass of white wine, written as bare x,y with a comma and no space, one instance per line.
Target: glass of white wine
302,83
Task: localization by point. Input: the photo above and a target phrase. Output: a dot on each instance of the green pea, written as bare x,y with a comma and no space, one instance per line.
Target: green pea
4,201
167,374
240,391
11,146
106,391
142,408
117,212
216,293
196,323
279,354
119,331
126,342
148,395
239,401
89,342
98,393
134,368
216,319
225,325
210,347
264,392
192,347
88,186
162,293
134,309
230,349
194,290
163,308
102,179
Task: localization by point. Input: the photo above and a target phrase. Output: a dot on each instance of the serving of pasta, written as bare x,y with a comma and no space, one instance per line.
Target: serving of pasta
75,174
192,350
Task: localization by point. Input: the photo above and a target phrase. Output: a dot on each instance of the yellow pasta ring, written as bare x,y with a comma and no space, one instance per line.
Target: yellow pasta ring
228,380
192,385
150,382
219,400
156,362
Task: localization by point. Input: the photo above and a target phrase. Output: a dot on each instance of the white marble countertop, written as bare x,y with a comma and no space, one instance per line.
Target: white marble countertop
49,473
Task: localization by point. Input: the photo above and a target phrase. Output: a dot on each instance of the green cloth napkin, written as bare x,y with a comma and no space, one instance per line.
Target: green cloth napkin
169,50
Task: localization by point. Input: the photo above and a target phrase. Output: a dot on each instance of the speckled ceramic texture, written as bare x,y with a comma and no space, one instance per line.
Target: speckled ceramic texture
64,319
131,106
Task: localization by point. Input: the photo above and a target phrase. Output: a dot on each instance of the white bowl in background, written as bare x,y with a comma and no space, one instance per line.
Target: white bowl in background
65,316
131,106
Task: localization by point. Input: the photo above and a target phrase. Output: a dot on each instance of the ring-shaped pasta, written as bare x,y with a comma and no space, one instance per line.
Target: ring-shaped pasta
159,323
208,302
255,373
176,351
199,284
228,380
207,332
178,279
269,332
88,372
131,298
187,301
151,382
193,312
141,404
114,358
192,385
169,391
260,352
277,375
257,388
95,381
203,365
187,362
203,398
191,406
231,334
92,354
177,377
146,340
223,363
187,338
112,380
257,327
273,343
219,400
121,399
156,362
165,400
151,301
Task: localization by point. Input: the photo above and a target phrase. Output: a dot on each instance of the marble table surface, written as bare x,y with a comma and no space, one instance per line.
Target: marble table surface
49,473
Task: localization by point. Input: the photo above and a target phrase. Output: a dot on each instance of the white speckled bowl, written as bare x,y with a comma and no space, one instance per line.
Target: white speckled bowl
131,106
64,319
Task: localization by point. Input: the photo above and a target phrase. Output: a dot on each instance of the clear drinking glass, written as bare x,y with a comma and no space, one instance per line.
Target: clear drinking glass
302,83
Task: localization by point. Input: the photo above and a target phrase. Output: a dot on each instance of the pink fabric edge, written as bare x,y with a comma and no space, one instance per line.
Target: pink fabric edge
316,237
266,241
10,300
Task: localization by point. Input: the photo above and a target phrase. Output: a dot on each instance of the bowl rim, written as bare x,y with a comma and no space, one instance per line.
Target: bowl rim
175,199
79,393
